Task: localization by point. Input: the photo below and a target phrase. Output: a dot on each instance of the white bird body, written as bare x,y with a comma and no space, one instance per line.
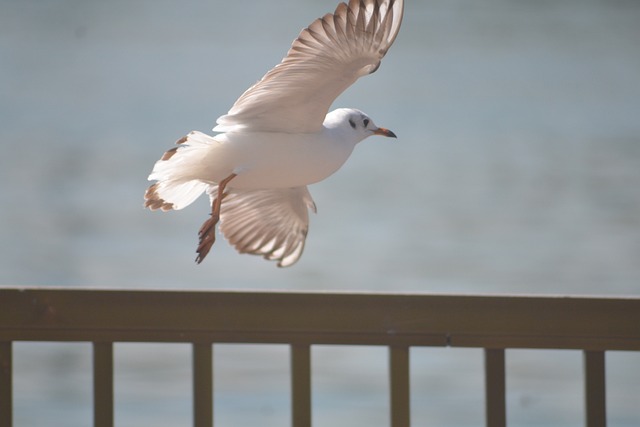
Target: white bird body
301,159
278,137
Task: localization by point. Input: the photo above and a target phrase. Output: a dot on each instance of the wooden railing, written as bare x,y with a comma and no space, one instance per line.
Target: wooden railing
397,321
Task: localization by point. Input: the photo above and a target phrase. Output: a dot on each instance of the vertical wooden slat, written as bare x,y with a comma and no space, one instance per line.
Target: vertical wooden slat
595,390
495,388
400,387
202,385
301,385
6,385
103,384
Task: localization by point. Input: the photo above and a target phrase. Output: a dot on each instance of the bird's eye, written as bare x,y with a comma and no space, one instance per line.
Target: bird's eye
352,123
366,122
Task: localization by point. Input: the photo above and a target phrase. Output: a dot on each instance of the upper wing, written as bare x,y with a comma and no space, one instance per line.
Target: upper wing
272,223
325,59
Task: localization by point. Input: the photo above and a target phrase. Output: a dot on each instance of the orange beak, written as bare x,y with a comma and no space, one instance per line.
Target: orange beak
384,132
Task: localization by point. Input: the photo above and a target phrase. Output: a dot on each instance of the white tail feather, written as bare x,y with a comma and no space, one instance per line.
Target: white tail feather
174,195
179,174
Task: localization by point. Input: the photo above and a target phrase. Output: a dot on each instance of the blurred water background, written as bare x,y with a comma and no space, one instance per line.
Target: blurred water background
516,170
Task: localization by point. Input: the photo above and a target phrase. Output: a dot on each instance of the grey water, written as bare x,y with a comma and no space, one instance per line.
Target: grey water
516,170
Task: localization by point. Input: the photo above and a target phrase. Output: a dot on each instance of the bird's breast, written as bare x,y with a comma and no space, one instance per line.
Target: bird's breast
274,160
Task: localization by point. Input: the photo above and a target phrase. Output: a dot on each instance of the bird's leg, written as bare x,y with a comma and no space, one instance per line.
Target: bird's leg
207,233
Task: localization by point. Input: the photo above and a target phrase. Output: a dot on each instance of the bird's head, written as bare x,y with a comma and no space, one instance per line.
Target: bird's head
355,123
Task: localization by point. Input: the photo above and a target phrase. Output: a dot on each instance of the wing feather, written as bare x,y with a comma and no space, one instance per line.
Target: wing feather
272,223
326,58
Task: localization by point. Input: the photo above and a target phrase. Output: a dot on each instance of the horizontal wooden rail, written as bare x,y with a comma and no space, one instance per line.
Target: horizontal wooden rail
42,314
301,319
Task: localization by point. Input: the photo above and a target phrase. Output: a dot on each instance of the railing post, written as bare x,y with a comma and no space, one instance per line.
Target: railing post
495,388
301,385
595,394
6,385
103,384
400,386
202,385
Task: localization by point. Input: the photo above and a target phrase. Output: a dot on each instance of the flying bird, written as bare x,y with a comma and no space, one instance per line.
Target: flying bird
279,137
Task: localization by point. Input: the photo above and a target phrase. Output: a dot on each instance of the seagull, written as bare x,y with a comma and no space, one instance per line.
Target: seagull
279,137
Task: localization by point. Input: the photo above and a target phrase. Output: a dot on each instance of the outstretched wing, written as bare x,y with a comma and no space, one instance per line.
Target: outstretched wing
272,223
325,59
